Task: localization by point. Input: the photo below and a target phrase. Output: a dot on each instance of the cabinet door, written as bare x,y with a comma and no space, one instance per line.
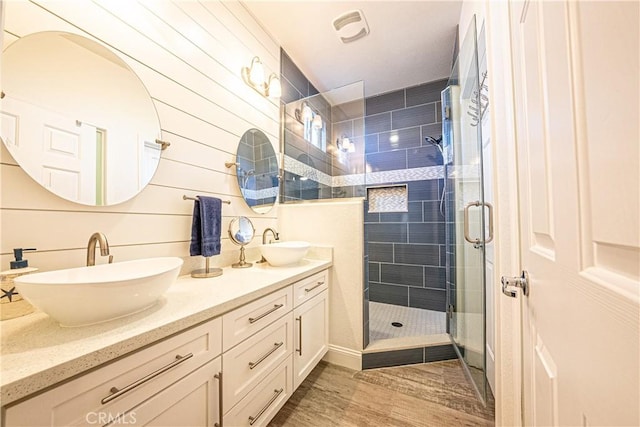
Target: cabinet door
192,401
117,387
311,336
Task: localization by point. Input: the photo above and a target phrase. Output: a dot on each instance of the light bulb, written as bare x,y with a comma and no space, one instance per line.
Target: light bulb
256,73
317,122
275,90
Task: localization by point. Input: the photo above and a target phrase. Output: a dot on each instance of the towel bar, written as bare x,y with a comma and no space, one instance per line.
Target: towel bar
185,197
207,271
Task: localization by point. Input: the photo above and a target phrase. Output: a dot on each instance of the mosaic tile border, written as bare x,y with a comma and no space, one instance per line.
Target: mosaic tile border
265,193
463,171
295,166
404,175
372,178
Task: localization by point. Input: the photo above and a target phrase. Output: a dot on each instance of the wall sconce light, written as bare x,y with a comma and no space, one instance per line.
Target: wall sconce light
345,145
317,122
305,113
253,76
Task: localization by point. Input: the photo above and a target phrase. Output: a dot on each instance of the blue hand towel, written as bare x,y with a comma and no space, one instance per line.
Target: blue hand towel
205,228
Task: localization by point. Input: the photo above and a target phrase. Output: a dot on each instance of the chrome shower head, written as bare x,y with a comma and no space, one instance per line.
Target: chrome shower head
437,142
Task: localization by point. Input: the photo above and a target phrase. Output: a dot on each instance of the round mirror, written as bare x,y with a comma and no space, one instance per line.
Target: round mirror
257,170
77,119
241,232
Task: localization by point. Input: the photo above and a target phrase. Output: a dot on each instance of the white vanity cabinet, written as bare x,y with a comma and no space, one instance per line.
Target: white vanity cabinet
237,369
263,369
172,383
311,320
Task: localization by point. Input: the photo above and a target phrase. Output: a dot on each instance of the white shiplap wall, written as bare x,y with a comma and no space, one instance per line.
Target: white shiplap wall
189,56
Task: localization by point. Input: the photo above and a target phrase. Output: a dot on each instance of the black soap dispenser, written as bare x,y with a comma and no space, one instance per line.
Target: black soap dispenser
19,262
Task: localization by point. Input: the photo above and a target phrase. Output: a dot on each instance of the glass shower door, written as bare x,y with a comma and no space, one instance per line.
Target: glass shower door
462,106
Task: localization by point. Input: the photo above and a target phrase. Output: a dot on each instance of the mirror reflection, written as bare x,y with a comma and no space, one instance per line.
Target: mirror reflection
241,232
257,171
77,119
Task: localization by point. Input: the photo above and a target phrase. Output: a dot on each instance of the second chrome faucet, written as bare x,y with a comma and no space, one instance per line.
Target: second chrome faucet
266,231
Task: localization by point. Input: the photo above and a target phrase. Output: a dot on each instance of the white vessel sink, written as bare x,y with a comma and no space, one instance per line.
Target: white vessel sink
87,295
284,253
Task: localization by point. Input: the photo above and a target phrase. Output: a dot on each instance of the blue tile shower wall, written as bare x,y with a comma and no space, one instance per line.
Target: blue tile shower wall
407,252
295,85
344,119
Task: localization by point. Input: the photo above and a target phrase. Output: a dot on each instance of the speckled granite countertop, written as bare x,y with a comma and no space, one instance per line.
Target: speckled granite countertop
37,353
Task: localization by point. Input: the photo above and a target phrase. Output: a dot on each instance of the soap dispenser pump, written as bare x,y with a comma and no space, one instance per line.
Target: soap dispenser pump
19,262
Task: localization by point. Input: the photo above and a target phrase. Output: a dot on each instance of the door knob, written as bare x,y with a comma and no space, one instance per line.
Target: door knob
517,282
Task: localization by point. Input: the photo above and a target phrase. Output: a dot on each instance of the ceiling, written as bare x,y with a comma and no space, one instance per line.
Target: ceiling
410,42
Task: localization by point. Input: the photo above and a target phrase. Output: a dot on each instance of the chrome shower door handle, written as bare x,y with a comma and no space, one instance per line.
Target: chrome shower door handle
466,222
468,238
490,206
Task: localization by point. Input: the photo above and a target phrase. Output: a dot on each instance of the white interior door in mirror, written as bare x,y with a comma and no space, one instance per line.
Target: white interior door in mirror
64,158
81,81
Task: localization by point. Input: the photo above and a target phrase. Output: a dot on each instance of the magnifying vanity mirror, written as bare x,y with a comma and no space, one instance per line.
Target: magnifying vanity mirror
77,119
257,171
241,232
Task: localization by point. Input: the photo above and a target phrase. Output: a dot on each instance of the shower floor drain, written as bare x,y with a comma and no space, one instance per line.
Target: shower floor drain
397,324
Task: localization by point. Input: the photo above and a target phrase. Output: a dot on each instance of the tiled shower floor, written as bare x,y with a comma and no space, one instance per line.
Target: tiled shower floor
415,321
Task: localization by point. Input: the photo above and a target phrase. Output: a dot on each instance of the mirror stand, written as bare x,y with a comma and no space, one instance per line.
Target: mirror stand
242,263
206,272
241,232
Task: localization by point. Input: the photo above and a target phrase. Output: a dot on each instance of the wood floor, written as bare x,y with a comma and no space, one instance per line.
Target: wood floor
432,394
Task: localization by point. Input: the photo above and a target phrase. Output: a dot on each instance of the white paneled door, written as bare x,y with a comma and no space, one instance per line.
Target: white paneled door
577,96
64,160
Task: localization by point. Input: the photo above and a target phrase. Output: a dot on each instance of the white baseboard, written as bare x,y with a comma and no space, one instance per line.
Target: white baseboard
342,356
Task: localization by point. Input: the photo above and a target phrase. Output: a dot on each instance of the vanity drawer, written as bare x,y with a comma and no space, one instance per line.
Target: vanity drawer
136,378
307,288
263,402
245,321
249,362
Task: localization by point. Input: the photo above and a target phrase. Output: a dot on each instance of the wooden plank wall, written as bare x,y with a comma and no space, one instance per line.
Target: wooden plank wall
189,55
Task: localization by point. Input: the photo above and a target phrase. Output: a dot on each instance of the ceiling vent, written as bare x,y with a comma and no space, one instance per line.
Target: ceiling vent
351,26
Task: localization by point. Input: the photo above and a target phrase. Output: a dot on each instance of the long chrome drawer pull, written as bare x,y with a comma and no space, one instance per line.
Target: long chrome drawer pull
218,376
115,392
252,420
266,313
316,286
276,345
299,350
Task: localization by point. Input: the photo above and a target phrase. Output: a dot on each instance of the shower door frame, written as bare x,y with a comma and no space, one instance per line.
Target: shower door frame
465,232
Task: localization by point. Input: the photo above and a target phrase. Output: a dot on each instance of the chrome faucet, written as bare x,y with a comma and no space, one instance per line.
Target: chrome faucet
266,231
91,248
